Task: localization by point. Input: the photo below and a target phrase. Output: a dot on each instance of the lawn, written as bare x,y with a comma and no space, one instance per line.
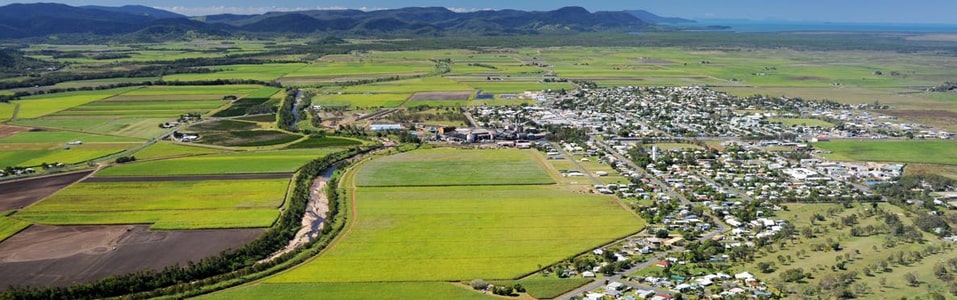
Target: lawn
168,204
914,151
464,232
280,161
439,167
359,291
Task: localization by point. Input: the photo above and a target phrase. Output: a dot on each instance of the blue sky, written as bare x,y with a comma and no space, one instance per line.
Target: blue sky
882,11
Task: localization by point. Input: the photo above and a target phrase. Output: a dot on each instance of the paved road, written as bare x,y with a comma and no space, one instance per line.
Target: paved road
617,277
577,163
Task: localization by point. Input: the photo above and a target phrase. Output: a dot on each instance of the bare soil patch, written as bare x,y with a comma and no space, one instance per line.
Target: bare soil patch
21,193
191,177
62,255
8,130
441,96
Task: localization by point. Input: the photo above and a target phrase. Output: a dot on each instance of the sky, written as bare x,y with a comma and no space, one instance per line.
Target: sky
850,11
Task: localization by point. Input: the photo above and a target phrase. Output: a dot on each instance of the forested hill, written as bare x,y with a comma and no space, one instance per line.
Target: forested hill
49,19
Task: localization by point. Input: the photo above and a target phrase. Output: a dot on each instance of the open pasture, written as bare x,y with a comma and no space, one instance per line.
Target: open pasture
168,204
361,99
464,232
439,167
278,161
912,151
264,72
357,291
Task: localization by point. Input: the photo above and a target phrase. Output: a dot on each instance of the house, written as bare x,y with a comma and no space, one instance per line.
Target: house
661,296
588,274
744,275
663,264
645,294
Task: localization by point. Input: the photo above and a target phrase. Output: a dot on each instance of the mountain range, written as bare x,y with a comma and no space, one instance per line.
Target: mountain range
46,19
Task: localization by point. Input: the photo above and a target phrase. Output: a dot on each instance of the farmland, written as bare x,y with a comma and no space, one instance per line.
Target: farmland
9,227
928,152
397,290
454,167
413,232
280,161
38,106
202,204
36,147
166,149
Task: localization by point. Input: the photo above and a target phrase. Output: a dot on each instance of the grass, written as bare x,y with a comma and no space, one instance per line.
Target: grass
464,232
248,138
427,84
168,204
280,161
131,127
397,291
454,167
913,151
865,251
788,122
10,227
339,69
314,142
165,149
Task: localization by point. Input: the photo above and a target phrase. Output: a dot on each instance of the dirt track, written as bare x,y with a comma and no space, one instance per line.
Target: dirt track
190,177
62,255
21,193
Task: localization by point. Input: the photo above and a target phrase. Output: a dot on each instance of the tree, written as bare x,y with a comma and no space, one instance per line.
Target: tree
765,267
662,233
478,284
792,275
911,279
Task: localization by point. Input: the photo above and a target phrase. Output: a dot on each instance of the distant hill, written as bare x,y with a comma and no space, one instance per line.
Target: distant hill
139,10
656,19
149,24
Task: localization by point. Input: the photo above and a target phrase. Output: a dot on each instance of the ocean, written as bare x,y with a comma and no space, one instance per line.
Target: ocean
784,26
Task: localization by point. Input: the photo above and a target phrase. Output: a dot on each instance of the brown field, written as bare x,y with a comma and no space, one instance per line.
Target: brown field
940,118
63,255
21,193
441,96
191,177
8,130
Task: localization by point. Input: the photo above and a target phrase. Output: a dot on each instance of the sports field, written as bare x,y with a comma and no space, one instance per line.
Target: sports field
166,204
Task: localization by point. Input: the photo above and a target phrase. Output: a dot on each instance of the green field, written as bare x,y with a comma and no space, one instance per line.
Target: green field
314,142
264,72
428,84
159,101
339,69
546,287
516,87
131,127
166,149
464,232
38,106
915,151
166,204
9,227
280,161
358,291
361,100
34,148
454,167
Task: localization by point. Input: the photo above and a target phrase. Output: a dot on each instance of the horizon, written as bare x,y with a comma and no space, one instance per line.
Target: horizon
813,11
